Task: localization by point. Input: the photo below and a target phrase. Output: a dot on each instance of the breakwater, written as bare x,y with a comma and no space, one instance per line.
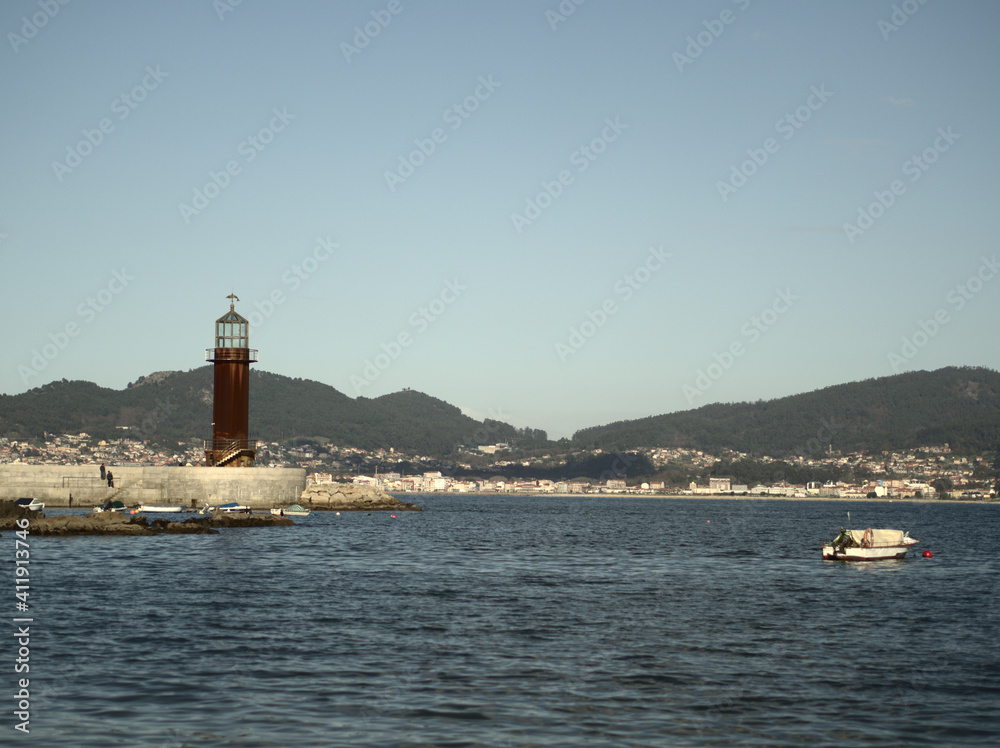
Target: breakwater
187,486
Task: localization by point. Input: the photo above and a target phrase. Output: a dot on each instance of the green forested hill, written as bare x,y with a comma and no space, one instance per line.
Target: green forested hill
177,406
960,406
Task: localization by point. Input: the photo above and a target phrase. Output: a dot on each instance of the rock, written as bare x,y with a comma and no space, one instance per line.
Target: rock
10,513
115,523
348,497
230,519
9,508
107,523
191,526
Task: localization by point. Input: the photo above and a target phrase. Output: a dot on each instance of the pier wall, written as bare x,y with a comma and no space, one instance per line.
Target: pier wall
187,486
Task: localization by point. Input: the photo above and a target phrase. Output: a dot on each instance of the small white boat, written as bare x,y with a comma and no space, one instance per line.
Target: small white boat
295,510
158,509
232,506
110,506
868,545
30,503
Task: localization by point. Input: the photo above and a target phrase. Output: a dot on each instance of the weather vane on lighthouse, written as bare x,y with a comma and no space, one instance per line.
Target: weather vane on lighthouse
232,357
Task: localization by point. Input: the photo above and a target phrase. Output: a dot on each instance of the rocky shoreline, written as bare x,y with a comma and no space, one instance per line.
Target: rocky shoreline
347,497
115,523
340,497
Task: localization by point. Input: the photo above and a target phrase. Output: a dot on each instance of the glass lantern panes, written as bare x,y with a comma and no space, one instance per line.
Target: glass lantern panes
231,331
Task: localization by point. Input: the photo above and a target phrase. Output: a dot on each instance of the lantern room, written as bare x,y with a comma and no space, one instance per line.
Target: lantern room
231,330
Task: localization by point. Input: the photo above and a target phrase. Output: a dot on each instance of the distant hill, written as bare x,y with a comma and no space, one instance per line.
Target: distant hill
958,406
177,406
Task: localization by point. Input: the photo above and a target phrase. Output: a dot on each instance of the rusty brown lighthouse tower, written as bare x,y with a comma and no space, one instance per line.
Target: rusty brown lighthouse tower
232,357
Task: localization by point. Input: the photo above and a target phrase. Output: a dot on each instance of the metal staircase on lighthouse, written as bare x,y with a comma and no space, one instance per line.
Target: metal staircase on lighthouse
231,356
229,453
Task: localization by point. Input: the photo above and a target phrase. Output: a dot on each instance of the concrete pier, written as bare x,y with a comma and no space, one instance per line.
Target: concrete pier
260,488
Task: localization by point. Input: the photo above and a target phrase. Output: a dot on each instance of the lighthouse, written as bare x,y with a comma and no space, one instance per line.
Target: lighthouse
232,357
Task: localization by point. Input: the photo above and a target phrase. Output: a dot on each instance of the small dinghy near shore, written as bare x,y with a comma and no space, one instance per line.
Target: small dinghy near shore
233,506
295,510
110,506
868,545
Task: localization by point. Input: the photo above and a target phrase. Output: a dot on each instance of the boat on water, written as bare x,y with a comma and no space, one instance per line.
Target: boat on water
295,510
31,503
110,506
233,506
868,545
158,509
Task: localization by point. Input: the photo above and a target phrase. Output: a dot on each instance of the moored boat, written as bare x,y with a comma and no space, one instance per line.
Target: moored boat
232,506
158,509
295,510
868,545
31,503
110,506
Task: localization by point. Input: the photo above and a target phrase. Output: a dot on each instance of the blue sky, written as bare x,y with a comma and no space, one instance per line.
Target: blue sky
561,219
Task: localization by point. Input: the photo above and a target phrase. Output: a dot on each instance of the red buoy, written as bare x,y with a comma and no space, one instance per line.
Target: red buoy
928,554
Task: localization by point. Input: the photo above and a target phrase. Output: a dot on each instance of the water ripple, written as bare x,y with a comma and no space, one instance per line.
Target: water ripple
523,621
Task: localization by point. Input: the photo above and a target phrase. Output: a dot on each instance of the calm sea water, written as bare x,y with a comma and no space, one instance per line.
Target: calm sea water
520,622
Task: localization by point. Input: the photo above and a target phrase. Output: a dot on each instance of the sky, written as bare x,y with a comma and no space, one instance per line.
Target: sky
558,214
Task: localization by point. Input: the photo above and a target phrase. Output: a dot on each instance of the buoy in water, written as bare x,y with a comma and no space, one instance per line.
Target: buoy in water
394,516
928,554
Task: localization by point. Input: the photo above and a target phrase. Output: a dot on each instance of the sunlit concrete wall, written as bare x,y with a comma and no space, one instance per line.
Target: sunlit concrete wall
187,486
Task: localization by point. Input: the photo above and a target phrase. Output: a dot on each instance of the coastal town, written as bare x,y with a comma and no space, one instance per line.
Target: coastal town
927,472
